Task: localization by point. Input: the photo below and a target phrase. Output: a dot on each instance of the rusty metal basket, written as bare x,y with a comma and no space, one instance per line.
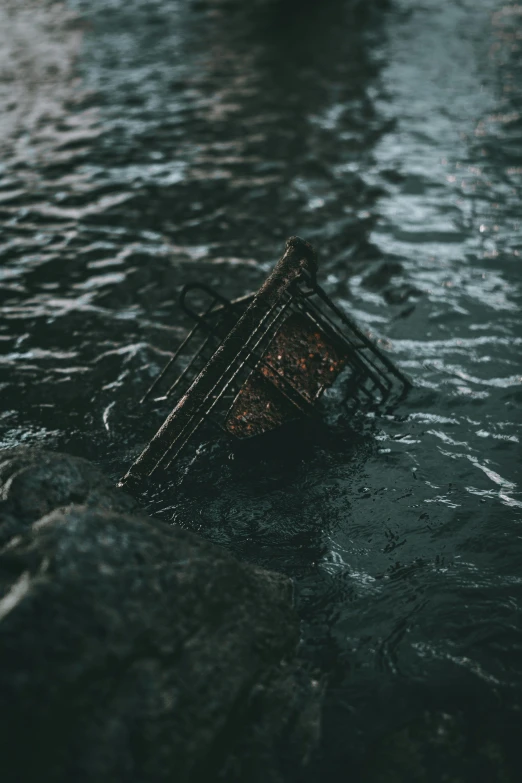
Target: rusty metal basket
254,363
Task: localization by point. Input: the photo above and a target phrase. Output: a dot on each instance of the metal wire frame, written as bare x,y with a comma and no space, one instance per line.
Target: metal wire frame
227,348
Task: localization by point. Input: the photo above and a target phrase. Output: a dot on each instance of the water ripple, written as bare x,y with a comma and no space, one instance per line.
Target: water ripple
146,144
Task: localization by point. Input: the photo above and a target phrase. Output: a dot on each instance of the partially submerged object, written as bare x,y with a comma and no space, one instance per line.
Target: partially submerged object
252,364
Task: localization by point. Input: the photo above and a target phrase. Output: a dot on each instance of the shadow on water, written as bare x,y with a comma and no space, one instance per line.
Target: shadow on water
271,502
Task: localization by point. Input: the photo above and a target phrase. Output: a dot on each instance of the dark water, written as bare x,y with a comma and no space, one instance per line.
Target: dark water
186,141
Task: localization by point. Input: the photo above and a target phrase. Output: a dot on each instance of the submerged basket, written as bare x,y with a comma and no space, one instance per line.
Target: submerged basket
255,363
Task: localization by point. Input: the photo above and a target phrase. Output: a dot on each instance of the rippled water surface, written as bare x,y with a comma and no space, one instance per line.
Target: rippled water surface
146,143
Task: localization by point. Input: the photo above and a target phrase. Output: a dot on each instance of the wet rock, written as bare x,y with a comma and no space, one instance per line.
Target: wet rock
134,651
399,294
34,482
380,276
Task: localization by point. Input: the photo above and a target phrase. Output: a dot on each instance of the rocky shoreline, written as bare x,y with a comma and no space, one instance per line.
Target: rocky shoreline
135,651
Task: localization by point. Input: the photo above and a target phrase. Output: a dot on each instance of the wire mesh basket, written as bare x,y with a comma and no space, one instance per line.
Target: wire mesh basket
252,364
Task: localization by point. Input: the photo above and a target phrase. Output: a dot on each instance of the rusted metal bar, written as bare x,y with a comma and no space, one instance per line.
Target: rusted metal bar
299,257
255,363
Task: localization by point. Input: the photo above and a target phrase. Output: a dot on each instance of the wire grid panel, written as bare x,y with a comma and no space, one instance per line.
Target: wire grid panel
253,364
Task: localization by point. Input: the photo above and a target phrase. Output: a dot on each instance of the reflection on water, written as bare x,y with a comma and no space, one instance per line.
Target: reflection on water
390,134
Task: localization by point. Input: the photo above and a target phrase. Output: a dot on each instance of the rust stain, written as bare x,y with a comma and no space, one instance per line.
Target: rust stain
301,356
258,408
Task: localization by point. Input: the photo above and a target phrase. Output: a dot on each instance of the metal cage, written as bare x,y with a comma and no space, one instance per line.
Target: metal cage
255,363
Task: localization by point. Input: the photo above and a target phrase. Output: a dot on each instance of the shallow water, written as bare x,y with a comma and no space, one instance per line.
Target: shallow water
151,143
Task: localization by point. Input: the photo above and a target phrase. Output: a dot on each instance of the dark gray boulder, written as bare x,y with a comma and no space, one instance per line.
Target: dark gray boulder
134,652
34,482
